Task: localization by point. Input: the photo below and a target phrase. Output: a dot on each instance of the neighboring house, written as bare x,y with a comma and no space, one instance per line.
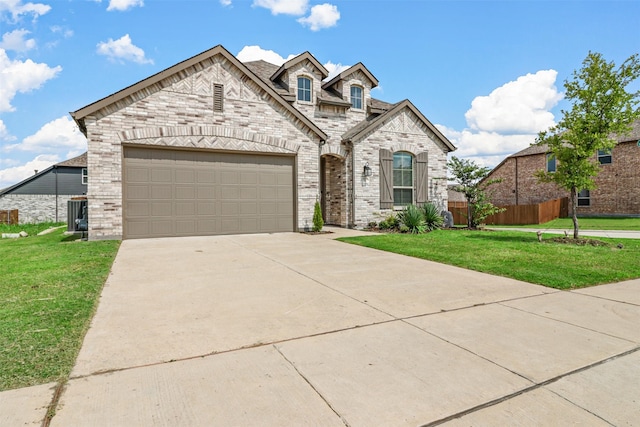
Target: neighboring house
216,146
44,195
618,182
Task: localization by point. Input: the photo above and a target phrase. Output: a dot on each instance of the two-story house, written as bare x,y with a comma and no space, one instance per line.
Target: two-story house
213,146
618,182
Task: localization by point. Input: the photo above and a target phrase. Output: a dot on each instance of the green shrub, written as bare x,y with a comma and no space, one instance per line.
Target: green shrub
318,222
413,218
432,218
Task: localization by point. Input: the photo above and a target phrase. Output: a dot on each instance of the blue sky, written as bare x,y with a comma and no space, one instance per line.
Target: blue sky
489,74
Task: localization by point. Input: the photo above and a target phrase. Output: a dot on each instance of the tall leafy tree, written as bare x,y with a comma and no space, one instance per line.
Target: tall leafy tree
602,109
469,178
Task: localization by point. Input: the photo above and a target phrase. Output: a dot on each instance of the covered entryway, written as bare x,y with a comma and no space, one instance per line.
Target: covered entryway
170,193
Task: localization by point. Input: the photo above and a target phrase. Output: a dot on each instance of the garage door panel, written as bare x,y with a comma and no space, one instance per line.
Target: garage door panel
161,192
161,175
267,178
138,191
185,227
181,193
268,193
185,208
137,209
229,208
184,176
206,209
161,208
248,193
138,174
205,192
162,228
185,193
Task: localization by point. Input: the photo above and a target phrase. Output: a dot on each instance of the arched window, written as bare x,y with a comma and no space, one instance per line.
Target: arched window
304,89
356,97
402,179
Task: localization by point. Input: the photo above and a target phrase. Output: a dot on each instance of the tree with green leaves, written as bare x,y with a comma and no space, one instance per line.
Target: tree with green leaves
602,109
469,178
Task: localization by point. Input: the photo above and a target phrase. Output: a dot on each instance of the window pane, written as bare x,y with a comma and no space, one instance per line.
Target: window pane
397,177
551,163
356,97
407,178
304,89
402,196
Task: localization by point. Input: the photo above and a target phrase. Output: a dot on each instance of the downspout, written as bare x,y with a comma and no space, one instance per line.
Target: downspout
352,208
55,171
516,180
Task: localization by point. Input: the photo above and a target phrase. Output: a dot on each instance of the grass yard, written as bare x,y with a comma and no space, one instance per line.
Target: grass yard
518,255
595,223
49,288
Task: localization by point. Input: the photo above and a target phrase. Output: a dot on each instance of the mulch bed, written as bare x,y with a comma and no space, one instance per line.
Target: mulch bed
578,241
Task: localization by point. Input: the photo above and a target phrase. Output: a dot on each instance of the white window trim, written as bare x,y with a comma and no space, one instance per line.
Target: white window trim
85,176
302,101
413,182
361,97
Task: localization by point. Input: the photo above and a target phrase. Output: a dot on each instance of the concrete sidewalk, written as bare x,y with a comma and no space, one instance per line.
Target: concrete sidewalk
613,234
294,329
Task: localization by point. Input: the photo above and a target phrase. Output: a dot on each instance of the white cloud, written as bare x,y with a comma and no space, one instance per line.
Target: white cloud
15,174
17,9
123,50
16,40
507,120
21,76
334,69
124,4
4,133
256,53
322,16
286,7
60,134
520,106
66,33
225,2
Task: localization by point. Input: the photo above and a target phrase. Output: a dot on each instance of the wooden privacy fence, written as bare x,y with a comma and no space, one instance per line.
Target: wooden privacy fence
517,214
9,217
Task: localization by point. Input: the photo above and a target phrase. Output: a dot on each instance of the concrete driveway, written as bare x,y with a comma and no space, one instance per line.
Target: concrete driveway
301,330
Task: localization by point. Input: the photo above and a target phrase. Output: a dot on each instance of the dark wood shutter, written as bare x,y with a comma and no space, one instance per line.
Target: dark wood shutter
422,178
386,179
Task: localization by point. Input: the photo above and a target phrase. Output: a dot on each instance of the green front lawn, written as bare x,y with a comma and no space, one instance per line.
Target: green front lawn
587,223
518,255
49,289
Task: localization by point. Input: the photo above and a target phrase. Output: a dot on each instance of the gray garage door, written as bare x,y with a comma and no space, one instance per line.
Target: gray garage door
193,193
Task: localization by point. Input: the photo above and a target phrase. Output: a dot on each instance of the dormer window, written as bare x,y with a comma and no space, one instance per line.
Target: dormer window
304,89
356,97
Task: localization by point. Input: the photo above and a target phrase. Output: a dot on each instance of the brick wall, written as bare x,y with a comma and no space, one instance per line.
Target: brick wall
617,192
186,102
36,208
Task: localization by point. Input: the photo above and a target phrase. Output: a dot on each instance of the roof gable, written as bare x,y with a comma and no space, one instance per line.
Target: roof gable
353,69
306,56
75,162
364,128
80,114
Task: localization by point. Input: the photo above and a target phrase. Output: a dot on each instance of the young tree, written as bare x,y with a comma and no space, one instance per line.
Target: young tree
469,176
601,110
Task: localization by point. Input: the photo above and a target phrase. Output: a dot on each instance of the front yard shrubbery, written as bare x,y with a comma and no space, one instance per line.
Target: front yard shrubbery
413,219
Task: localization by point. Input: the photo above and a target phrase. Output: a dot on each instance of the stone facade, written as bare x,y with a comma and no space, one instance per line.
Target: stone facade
34,208
618,183
176,109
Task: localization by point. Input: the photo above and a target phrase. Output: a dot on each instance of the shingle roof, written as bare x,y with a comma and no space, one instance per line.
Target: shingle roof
75,162
634,135
78,161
